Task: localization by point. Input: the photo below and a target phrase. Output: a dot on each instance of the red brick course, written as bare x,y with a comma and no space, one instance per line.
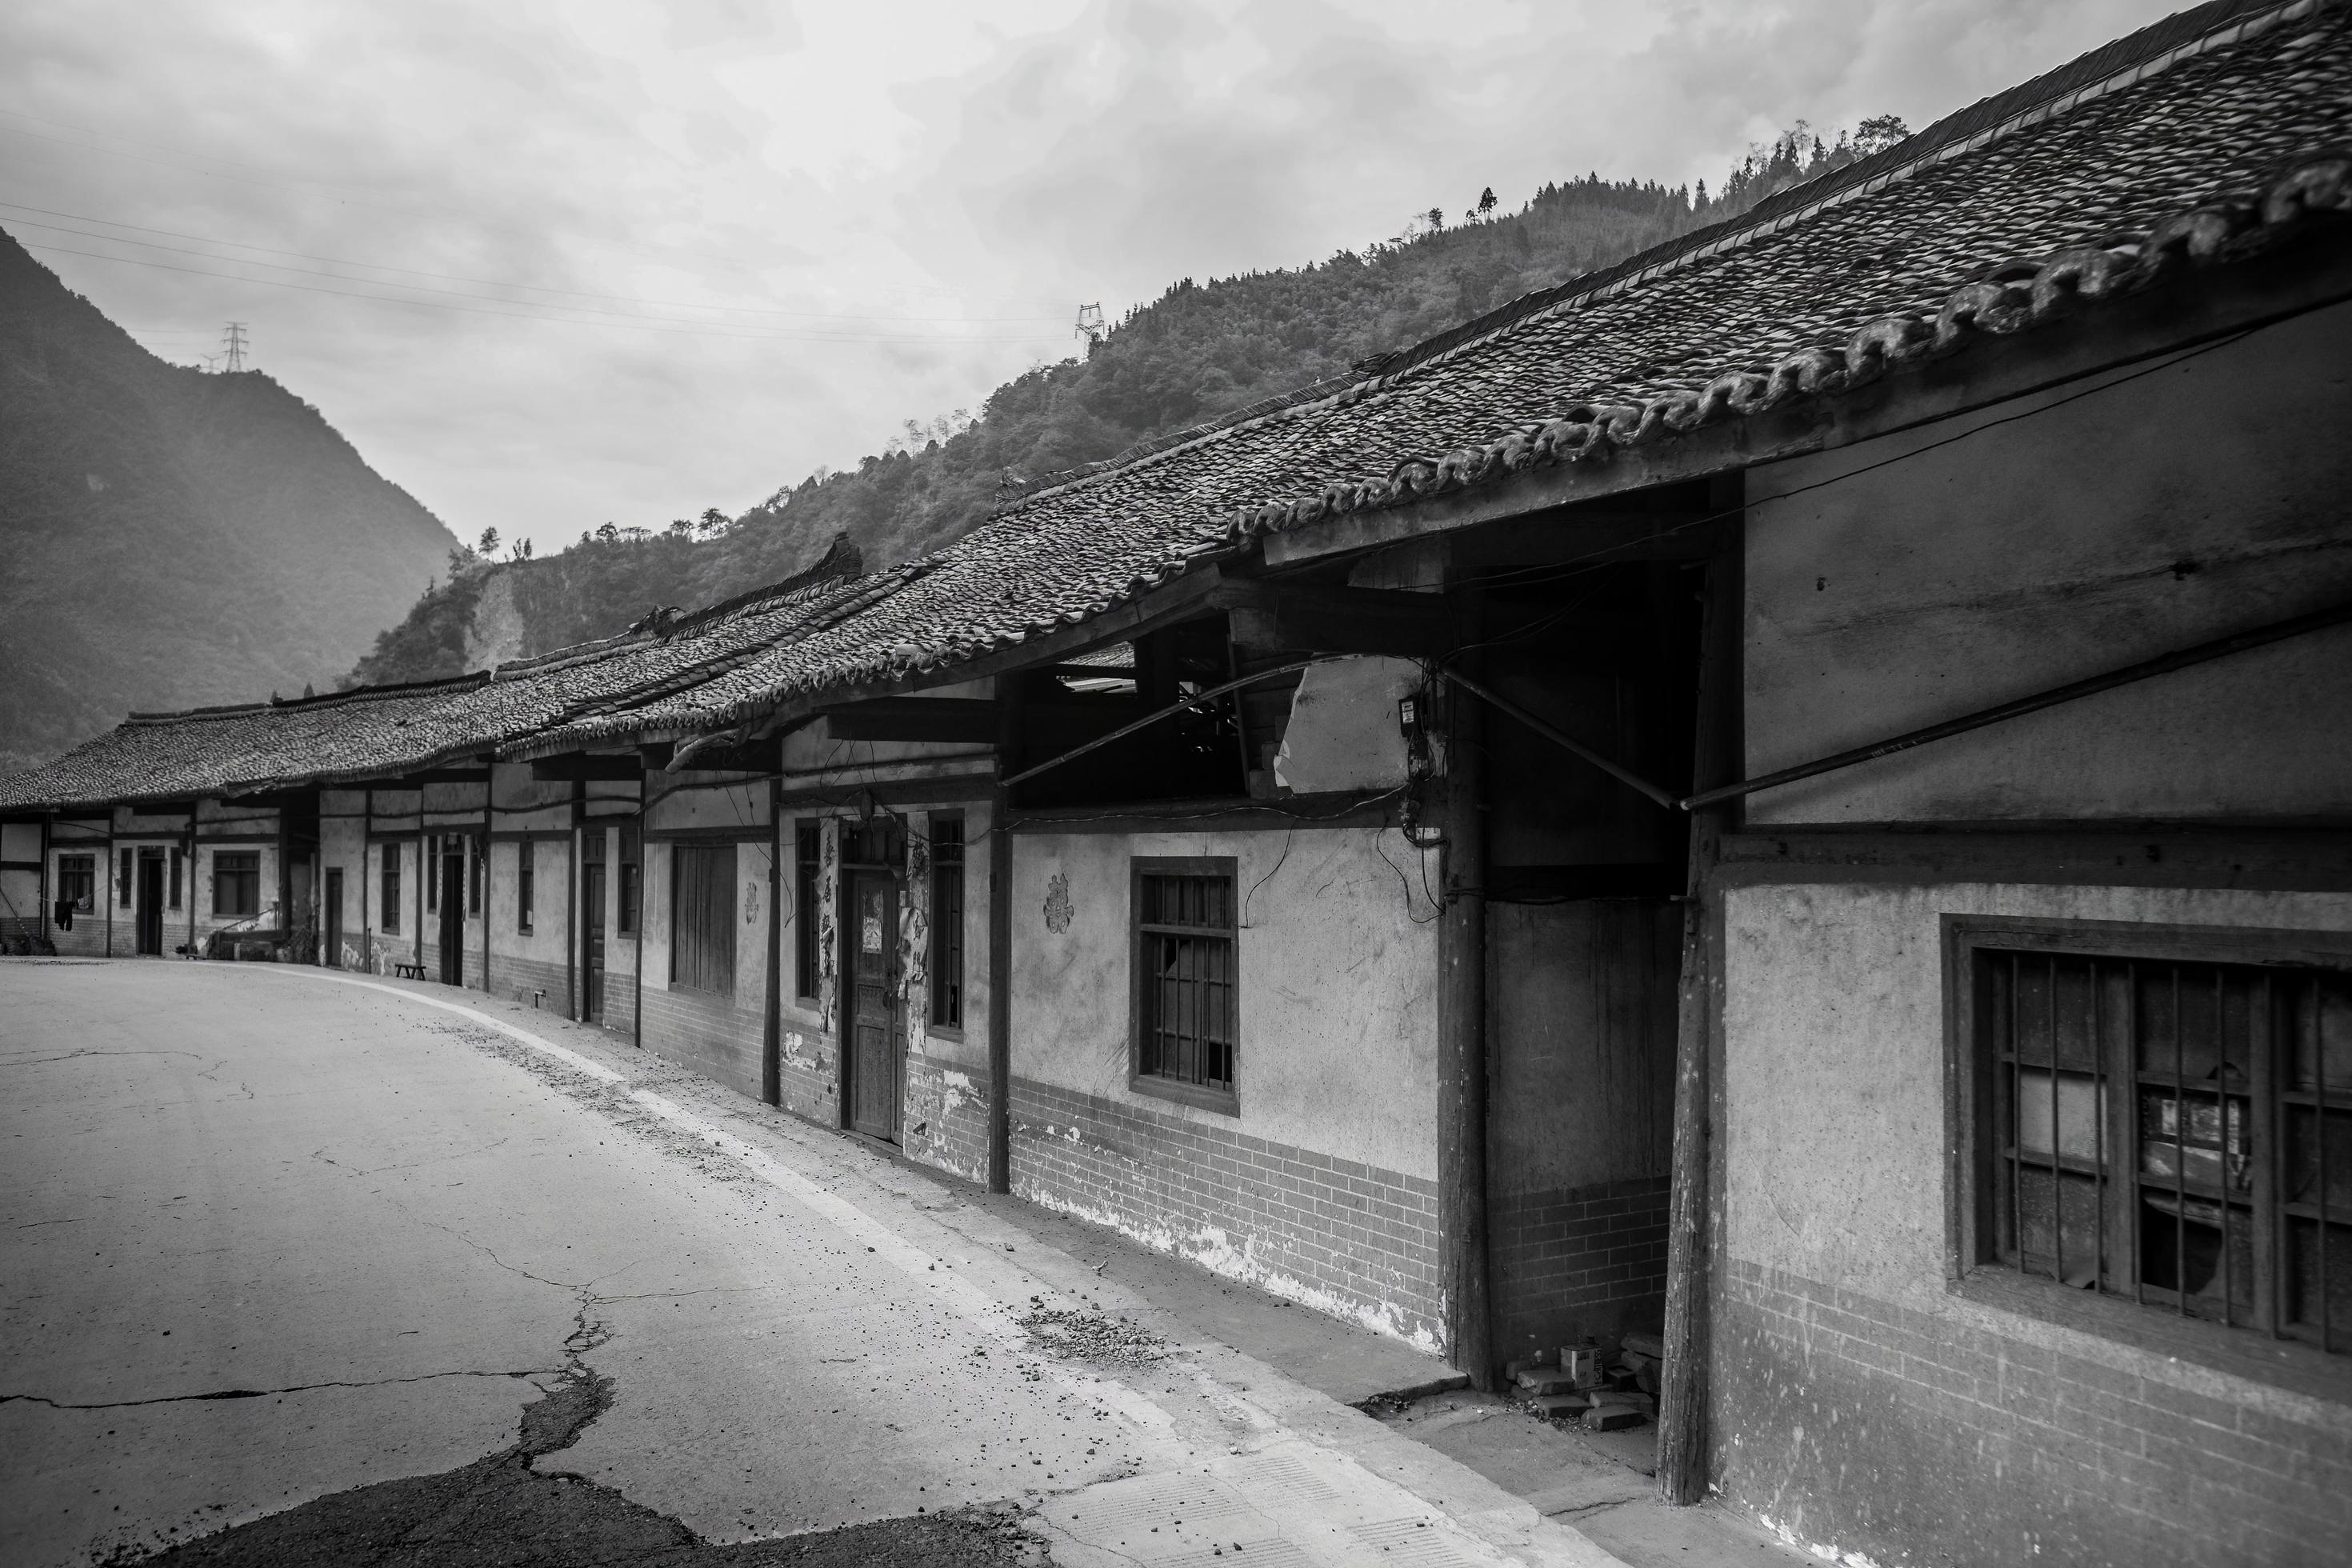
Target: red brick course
1914,1438
1352,1237
1575,1261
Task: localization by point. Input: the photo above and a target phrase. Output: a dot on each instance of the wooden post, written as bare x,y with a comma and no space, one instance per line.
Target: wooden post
574,997
1000,938
1682,1391
771,1065
1462,1029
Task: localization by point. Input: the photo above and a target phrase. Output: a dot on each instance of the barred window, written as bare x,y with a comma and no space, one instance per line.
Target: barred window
389,918
807,837
946,957
526,868
2169,1130
703,917
1186,1009
177,855
237,883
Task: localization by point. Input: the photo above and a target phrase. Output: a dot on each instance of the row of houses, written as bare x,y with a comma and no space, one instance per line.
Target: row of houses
1794,791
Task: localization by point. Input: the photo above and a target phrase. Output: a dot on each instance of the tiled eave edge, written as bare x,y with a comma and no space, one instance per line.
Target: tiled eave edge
2070,284
2009,300
1577,295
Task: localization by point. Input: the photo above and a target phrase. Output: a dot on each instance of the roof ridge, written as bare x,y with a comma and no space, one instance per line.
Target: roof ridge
2113,66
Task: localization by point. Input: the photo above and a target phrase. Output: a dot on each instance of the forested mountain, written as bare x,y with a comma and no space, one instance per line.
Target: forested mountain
1198,352
169,538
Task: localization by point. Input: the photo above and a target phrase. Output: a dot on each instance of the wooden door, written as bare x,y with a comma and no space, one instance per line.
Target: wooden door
592,942
333,954
871,1015
151,904
453,919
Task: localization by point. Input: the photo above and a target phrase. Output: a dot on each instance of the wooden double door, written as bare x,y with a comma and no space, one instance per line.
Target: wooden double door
870,1003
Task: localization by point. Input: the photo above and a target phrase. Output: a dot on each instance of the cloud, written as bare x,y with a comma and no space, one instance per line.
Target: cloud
627,261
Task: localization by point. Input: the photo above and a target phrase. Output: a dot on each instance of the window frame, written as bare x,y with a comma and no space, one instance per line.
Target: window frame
944,963
248,862
388,888
83,867
526,882
1973,1269
808,893
629,880
682,852
126,878
177,857
1226,1102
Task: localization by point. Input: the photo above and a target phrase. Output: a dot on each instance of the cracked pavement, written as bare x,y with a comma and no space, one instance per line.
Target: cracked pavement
291,1248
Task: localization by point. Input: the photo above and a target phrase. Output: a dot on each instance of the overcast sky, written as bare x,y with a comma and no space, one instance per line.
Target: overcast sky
551,265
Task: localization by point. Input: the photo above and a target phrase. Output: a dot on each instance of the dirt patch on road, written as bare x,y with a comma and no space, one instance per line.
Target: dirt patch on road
1091,1336
504,1512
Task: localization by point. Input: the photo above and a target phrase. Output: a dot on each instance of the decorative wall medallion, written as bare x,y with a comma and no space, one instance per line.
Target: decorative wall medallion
1058,904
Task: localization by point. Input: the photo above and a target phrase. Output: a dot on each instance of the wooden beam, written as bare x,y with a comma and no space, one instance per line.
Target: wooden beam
1462,1071
1692,1228
1341,620
574,767
962,720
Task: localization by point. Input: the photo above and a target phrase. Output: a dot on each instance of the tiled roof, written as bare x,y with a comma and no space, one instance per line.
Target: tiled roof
2200,139
375,732
2206,138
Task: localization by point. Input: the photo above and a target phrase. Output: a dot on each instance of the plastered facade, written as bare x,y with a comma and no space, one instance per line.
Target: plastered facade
1914,578
1857,1400
1336,1059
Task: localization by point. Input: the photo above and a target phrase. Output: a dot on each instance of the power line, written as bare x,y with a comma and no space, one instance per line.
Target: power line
454,277
646,325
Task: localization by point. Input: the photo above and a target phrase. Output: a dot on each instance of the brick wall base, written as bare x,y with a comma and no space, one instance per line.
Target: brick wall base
944,1121
1867,1426
1353,1240
707,1034
1572,1262
518,978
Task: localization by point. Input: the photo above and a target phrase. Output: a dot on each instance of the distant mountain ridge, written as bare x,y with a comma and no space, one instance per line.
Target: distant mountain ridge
1199,352
170,538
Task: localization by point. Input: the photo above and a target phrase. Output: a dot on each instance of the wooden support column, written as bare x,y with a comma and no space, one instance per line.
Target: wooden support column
1692,1228
1000,937
572,876
1462,1028
771,1064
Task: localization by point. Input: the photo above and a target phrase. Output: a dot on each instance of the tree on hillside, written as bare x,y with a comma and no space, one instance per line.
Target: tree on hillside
1199,352
489,545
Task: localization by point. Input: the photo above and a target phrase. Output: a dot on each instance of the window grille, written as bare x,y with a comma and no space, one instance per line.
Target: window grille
429,867
389,919
1186,1004
177,855
526,854
78,880
807,838
703,917
122,880
477,858
237,883
946,959
2178,1132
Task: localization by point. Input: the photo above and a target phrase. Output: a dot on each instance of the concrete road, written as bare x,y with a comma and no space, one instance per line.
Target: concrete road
273,1235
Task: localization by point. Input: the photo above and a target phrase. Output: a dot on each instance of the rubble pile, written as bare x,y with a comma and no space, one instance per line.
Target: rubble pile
1082,1335
1599,1390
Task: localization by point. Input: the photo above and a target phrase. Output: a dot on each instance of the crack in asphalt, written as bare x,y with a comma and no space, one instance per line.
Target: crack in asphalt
217,1393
